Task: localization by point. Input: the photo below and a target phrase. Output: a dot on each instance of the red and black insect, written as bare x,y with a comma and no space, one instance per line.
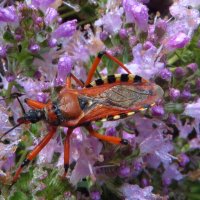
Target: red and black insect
110,98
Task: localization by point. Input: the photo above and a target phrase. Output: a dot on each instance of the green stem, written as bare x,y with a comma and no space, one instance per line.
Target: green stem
87,20
67,14
8,92
172,60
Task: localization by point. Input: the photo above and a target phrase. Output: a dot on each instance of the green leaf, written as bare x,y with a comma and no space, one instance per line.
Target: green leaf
8,37
19,196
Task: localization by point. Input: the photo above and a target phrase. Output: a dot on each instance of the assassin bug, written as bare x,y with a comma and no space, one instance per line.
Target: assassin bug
110,98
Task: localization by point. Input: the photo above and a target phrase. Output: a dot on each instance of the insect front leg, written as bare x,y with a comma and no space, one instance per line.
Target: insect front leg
96,62
67,150
72,76
34,104
35,152
110,139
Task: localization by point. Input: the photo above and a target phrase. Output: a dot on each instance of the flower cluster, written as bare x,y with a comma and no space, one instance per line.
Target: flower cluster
39,49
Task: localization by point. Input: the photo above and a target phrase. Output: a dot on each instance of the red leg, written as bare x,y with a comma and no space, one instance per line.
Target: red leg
110,139
35,152
77,80
67,150
68,81
97,61
34,104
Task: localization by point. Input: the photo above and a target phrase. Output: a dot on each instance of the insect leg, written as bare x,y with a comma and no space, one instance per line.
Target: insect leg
34,104
110,139
68,81
97,61
67,150
35,152
77,80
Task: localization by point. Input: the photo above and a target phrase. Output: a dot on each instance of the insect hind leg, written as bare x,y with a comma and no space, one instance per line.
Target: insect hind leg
110,139
96,62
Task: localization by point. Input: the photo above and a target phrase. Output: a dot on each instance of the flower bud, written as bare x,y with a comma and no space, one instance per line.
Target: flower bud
157,110
66,29
174,94
123,33
34,48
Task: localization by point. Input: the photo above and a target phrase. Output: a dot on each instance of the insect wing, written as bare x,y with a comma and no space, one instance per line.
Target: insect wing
118,100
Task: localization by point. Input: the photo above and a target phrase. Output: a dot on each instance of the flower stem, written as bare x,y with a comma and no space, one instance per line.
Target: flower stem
8,92
172,60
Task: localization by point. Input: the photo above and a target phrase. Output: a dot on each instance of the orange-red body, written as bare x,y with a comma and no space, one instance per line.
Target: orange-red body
80,106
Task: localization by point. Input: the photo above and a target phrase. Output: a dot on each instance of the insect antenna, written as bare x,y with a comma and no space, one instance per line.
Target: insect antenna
16,95
4,134
20,103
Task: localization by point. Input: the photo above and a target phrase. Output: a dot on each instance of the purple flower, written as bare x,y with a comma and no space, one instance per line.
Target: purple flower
66,29
174,94
183,159
178,41
137,165
46,155
3,51
147,45
130,138
123,33
193,109
144,1
145,182
51,15
179,72
133,192
8,14
52,42
64,67
10,77
160,27
95,195
103,35
44,4
195,143
136,13
87,153
133,40
124,171
111,131
37,75
34,48
154,148
145,63
187,20
171,173
186,95
171,119
32,87
111,22
165,74
42,97
184,129
197,83
193,67
38,20
157,111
